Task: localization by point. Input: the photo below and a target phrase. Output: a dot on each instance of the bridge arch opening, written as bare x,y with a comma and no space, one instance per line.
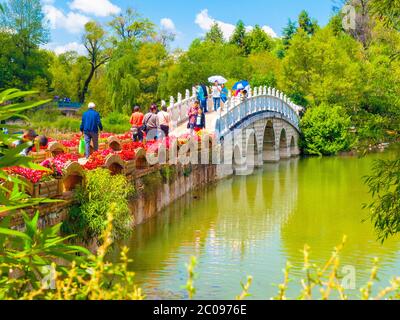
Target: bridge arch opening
237,159
284,151
269,144
252,151
293,147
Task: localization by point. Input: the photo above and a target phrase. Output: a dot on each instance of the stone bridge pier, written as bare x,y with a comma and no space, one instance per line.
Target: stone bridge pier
265,140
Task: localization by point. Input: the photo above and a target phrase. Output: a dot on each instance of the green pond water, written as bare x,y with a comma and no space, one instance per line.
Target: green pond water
253,225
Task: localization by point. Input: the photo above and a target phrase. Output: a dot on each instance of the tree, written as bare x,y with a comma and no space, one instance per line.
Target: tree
239,35
325,130
306,24
122,71
98,53
165,37
215,35
257,40
24,21
388,11
130,25
323,69
288,32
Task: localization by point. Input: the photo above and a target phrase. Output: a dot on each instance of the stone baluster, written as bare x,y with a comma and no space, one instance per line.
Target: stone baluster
255,92
273,92
194,92
187,95
277,94
264,90
260,91
269,91
250,93
174,115
180,107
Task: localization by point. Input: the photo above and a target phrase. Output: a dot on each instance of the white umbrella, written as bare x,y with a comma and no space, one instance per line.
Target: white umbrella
220,79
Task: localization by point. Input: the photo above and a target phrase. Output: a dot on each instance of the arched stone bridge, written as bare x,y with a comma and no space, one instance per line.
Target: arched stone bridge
263,127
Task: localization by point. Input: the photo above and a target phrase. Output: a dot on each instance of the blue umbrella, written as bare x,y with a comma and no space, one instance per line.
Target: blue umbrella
240,85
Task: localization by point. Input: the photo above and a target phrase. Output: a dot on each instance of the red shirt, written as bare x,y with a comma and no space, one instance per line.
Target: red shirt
137,119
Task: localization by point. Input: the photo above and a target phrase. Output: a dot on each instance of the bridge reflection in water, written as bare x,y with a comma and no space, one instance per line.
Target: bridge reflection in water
252,225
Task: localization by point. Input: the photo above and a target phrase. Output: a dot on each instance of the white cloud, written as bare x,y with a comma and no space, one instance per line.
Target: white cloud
205,22
72,22
63,48
168,24
268,30
99,8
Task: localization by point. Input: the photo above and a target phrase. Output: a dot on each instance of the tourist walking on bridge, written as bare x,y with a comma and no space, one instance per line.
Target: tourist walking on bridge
224,95
151,124
136,122
200,123
202,96
164,119
193,112
216,94
90,126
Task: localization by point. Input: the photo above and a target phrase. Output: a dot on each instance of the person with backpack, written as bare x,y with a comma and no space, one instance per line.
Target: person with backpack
200,123
192,115
202,97
151,123
164,120
136,122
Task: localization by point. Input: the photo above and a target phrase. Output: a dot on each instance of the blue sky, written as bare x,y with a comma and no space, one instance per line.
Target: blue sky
188,19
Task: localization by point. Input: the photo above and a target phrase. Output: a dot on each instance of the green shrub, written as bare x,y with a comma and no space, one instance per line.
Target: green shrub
101,192
326,130
151,182
116,122
168,173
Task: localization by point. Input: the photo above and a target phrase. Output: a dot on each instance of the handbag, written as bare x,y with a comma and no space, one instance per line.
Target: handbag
135,131
82,146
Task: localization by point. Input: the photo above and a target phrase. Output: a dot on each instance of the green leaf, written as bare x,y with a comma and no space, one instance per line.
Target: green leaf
15,233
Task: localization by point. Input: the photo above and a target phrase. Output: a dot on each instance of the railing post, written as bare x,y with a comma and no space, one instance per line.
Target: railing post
264,90
175,119
269,91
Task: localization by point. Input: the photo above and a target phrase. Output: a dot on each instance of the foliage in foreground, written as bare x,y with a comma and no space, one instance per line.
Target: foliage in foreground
325,279
38,265
325,130
384,185
12,193
101,192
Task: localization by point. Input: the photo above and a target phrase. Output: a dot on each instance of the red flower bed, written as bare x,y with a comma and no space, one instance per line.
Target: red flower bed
96,160
58,163
31,175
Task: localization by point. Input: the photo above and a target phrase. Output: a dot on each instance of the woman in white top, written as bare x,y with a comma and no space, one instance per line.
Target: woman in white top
164,119
216,94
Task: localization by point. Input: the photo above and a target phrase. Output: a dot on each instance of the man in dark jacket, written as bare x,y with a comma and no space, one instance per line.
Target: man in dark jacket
91,123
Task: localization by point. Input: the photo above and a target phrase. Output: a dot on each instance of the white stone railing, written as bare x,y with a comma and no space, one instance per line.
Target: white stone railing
179,109
259,100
